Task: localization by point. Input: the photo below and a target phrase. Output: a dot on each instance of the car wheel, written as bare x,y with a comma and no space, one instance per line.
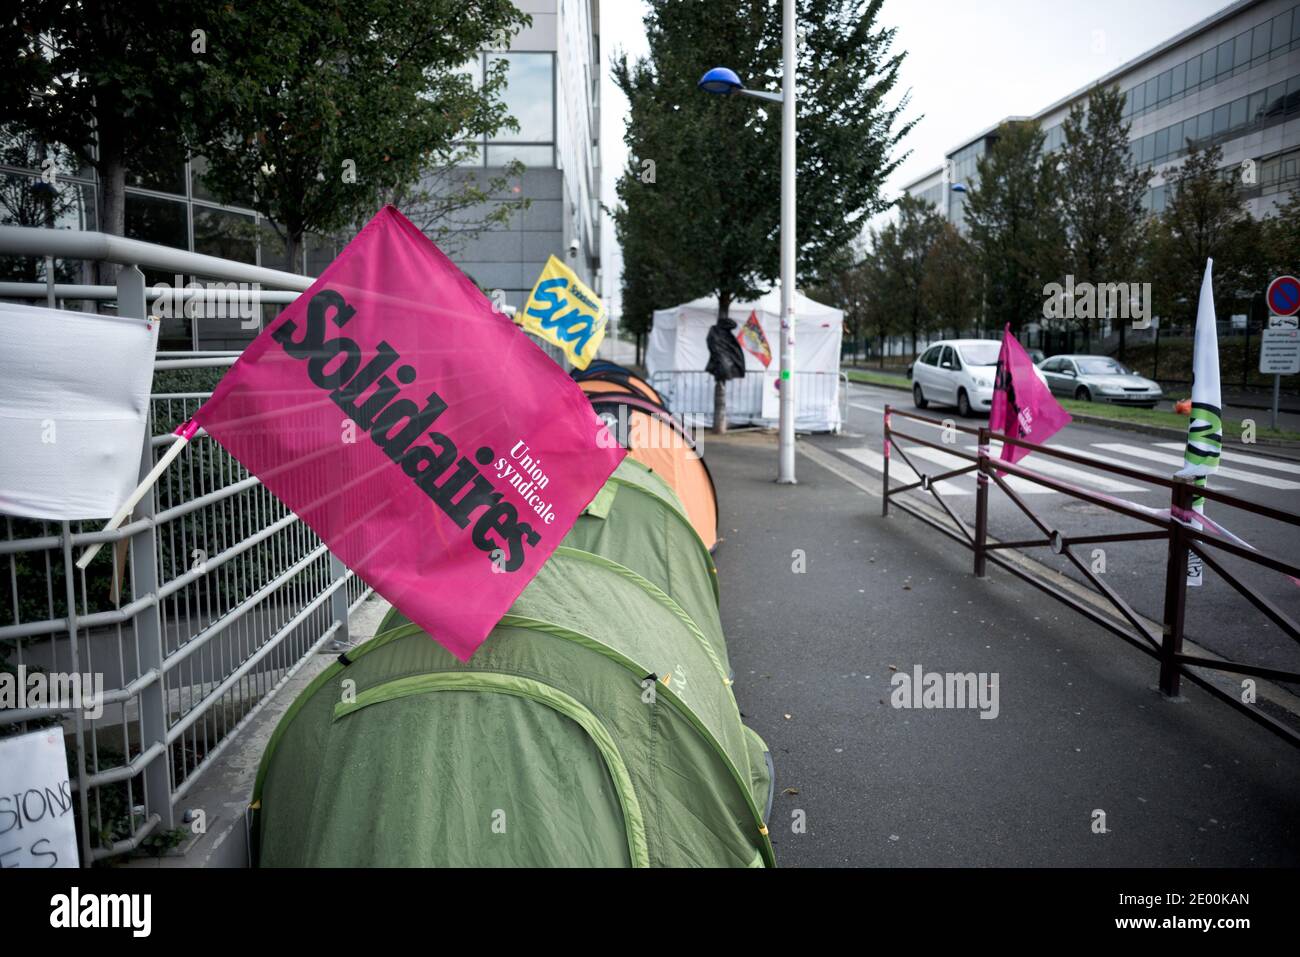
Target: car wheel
917,398
1083,394
963,403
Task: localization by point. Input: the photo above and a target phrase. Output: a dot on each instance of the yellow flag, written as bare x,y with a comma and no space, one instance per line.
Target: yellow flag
563,310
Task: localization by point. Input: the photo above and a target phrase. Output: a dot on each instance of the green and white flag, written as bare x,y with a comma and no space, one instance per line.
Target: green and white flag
1205,427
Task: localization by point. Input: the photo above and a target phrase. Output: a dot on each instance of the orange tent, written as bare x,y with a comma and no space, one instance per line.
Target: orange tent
659,442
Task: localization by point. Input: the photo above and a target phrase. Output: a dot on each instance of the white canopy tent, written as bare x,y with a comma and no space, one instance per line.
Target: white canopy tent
677,353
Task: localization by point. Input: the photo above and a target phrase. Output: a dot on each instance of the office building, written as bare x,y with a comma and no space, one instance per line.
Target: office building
1231,80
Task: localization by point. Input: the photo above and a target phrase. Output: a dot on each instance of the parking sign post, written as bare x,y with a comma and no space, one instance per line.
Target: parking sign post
1279,350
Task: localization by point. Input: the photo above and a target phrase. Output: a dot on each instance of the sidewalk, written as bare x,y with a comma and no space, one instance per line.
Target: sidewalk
1080,728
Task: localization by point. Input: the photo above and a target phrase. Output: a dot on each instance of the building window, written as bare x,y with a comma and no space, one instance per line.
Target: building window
529,97
157,168
156,220
220,232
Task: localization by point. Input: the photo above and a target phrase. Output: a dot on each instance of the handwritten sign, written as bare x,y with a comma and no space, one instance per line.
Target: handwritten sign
36,818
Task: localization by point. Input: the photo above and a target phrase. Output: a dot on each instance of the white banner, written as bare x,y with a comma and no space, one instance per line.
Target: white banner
74,396
36,804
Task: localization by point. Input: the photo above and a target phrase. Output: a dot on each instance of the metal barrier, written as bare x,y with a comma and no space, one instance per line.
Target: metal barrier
821,398
222,593
1173,526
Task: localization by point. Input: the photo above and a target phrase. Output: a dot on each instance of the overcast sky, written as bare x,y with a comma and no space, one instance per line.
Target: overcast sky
968,65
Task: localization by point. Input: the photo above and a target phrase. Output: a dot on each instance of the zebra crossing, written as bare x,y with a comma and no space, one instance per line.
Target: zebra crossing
1161,459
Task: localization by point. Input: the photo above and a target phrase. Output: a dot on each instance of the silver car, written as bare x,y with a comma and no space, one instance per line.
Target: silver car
1099,379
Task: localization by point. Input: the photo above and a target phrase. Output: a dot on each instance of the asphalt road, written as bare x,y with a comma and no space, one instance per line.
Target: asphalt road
1218,618
825,603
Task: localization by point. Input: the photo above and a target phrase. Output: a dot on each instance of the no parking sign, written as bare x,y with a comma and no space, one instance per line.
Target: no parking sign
1284,296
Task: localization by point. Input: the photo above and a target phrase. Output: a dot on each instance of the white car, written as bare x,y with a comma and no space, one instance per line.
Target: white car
957,372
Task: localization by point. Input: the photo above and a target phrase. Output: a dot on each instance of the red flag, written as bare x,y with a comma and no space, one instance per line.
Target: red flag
435,449
752,339
1023,407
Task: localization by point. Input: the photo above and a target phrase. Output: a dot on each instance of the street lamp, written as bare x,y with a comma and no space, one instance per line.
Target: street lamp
723,81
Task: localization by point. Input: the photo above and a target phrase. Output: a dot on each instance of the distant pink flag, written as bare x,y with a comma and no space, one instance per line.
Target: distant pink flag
431,445
1023,407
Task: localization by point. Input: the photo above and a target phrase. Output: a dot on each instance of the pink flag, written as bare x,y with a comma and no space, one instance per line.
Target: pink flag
435,449
1023,407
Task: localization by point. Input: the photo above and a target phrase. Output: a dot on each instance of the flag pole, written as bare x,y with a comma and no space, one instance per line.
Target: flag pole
183,435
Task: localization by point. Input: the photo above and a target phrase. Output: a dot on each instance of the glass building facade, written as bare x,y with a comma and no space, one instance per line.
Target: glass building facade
1232,80
552,92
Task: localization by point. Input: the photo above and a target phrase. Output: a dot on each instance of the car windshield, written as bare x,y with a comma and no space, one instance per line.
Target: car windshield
980,353
1101,367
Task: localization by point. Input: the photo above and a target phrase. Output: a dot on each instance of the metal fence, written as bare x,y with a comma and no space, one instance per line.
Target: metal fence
1176,526
821,398
194,613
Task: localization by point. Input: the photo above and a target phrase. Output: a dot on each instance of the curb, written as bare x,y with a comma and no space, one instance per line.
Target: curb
1274,448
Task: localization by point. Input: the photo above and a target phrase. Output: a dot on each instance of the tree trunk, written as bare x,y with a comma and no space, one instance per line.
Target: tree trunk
112,202
293,252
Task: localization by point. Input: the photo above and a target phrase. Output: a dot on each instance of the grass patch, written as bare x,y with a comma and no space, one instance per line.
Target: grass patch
1115,413
1238,365
876,378
1172,420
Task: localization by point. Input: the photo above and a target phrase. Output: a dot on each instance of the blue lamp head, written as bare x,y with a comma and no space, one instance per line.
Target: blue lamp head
720,80
959,187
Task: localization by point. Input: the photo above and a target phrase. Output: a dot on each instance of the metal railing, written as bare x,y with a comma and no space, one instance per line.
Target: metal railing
821,398
1162,641
197,610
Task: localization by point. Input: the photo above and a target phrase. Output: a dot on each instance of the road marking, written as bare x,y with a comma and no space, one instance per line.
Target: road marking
898,471
1077,476
866,408
950,461
1256,460
1165,458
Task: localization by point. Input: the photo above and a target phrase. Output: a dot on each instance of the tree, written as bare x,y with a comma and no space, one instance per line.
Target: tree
328,110
901,250
1205,217
713,203
845,286
848,131
453,205
1281,238
1014,223
950,282
1101,196
106,83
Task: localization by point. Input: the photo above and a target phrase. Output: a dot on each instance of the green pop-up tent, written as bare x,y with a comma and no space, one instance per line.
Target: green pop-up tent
596,726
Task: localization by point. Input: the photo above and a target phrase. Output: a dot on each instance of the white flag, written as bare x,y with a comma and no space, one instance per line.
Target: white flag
1205,427
74,397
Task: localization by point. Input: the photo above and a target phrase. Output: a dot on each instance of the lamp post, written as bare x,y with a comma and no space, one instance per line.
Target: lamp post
724,81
